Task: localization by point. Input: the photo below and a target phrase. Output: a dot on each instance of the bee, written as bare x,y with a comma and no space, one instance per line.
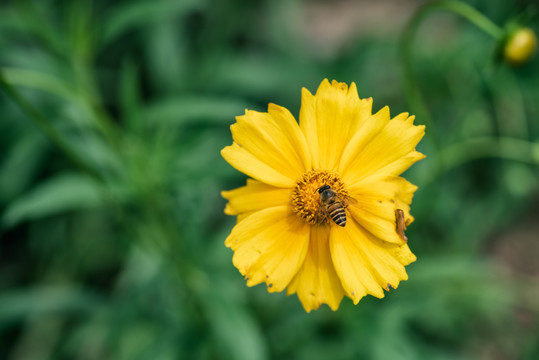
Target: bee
332,204
400,224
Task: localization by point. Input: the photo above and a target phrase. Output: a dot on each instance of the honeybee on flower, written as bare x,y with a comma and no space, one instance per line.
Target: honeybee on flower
339,150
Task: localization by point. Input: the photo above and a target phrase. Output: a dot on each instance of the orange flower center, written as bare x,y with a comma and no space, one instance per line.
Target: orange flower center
306,199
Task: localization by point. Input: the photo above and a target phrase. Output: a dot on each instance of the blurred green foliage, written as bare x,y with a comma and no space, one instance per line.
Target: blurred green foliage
111,220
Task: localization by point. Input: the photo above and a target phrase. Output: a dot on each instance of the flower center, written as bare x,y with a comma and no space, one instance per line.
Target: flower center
306,199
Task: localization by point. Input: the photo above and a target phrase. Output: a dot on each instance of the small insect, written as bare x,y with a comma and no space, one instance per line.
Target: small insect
401,223
332,204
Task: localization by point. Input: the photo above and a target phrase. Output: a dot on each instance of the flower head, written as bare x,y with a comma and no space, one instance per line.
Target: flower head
520,46
341,160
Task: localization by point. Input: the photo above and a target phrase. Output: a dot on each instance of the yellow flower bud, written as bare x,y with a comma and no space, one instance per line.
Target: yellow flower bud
520,46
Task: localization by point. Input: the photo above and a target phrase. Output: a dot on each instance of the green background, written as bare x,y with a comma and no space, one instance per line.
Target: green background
112,223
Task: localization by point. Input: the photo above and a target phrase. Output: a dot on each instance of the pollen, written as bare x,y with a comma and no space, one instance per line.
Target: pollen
305,196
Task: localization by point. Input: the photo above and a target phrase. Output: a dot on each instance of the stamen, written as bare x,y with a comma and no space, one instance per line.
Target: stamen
306,199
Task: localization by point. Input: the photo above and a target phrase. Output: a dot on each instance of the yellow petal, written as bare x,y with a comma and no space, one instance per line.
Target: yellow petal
398,166
372,127
402,254
269,245
404,194
268,146
248,164
357,276
366,264
280,263
389,153
286,121
254,196
272,139
374,209
316,283
330,119
242,216
376,200
307,123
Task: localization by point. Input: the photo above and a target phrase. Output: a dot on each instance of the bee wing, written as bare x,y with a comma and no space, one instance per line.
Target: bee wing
347,200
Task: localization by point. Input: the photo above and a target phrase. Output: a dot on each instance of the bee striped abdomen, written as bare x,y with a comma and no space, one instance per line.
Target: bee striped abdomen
337,213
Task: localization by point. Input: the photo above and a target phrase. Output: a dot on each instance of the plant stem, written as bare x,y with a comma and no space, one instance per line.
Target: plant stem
472,15
485,147
405,46
412,91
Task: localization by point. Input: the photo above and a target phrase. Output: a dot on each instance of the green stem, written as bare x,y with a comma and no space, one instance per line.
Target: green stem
472,15
89,94
45,126
412,91
405,46
81,55
487,147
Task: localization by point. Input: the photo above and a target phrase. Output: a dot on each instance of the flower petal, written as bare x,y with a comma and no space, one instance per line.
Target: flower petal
269,246
249,164
254,196
307,123
357,276
286,121
404,194
402,254
365,264
274,139
372,127
389,152
317,282
381,197
374,208
330,119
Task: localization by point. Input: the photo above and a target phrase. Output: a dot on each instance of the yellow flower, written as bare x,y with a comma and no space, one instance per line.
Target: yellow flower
284,235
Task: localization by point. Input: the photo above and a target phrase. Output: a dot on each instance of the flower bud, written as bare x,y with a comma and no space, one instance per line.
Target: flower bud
520,46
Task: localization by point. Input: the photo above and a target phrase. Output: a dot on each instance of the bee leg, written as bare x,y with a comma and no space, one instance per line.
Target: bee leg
322,215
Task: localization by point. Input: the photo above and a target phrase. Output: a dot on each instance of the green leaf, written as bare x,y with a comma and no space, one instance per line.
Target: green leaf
260,76
236,329
18,304
62,193
41,81
130,15
165,42
188,108
130,95
20,165
35,20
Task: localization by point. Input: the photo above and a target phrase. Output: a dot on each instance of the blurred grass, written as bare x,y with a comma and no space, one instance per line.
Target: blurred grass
126,261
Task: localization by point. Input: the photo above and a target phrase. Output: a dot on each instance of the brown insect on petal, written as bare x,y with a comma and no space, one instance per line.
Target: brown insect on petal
401,223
